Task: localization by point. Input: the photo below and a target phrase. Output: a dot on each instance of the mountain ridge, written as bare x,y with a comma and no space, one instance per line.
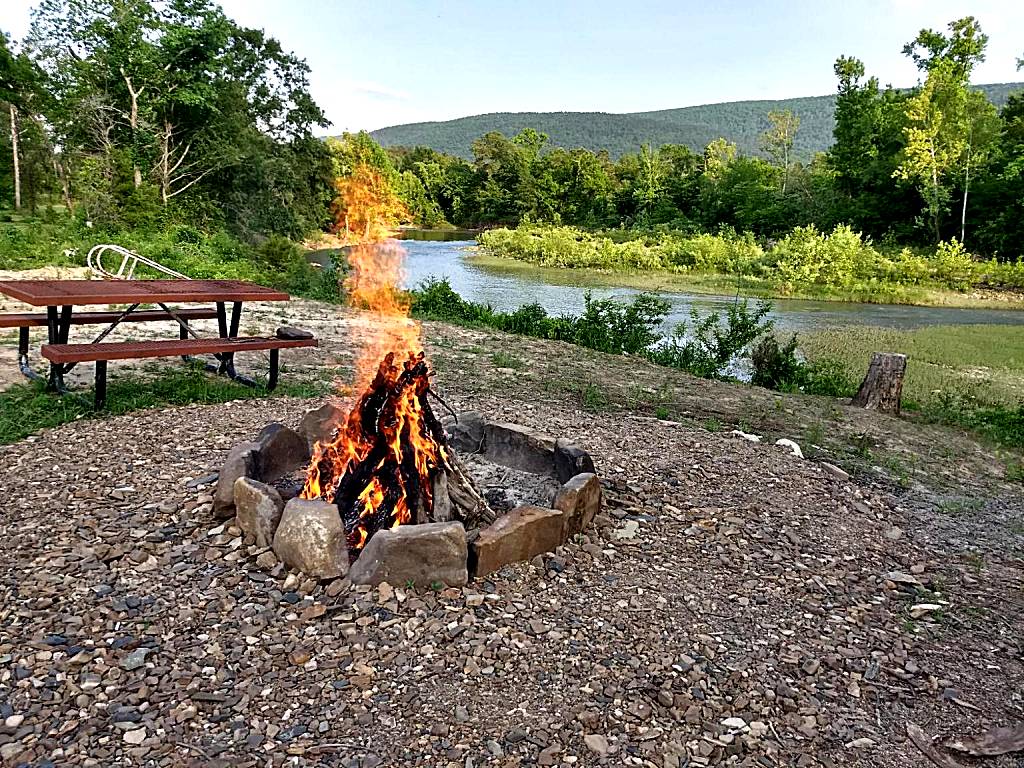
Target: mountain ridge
695,126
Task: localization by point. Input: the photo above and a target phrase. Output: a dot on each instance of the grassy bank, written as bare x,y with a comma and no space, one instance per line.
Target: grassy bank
838,266
28,408
712,284
968,375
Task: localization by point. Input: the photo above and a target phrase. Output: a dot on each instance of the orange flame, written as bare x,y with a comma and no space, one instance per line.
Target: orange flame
400,437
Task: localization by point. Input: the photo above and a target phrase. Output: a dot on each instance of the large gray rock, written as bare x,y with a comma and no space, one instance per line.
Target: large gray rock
319,424
311,539
258,508
580,500
282,451
421,554
571,460
512,445
522,534
466,434
240,462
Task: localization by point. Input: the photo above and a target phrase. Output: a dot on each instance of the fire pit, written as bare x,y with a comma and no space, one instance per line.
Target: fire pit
522,494
381,491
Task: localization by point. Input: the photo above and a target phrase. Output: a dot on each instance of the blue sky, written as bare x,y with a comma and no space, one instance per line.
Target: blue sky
383,62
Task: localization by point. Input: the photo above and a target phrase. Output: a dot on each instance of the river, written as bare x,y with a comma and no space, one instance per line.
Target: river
506,291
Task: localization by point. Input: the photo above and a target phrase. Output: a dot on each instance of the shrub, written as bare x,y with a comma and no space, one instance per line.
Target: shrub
775,366
611,326
827,377
710,347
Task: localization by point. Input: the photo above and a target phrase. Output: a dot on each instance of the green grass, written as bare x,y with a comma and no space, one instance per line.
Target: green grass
971,376
505,360
27,408
713,284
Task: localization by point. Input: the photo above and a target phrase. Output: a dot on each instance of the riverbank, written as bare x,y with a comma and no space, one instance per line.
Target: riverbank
836,266
730,285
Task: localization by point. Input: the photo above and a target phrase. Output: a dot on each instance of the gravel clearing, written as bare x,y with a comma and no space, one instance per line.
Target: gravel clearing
734,605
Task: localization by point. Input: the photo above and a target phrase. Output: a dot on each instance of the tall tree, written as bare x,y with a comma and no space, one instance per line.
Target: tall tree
947,127
777,141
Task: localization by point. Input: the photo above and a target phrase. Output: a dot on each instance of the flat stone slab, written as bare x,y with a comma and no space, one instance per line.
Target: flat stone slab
282,451
580,500
518,447
522,534
571,460
423,555
319,424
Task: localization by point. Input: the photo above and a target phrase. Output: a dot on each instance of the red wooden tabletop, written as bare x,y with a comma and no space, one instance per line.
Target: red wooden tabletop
48,293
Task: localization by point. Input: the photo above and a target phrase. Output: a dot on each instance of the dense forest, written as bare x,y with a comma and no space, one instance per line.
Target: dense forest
185,135
740,122
131,111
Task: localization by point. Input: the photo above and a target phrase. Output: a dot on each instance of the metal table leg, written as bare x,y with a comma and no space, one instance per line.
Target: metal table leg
227,359
23,365
58,326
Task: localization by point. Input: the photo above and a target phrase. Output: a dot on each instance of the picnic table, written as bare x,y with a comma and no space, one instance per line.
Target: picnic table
60,297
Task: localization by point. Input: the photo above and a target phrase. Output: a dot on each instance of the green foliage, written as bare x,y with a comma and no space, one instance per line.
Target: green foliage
605,325
828,377
1000,423
804,259
775,366
709,346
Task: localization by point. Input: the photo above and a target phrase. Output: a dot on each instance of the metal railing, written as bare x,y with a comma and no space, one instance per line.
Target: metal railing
129,261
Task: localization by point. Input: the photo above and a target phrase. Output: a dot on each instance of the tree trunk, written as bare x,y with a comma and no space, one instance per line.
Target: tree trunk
14,152
883,384
165,163
963,211
133,122
58,168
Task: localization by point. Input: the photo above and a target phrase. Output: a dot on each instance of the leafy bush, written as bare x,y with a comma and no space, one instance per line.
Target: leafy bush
611,326
775,366
805,259
827,377
709,347
605,325
435,300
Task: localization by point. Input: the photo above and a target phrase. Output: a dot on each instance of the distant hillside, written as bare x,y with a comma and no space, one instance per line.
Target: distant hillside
741,122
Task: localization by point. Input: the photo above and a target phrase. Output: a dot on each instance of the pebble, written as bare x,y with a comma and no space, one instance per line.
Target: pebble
596,743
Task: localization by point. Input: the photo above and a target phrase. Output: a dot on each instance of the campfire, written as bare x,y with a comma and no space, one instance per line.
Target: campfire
377,487
389,463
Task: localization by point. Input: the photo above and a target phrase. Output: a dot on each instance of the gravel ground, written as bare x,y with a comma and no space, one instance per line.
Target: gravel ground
731,607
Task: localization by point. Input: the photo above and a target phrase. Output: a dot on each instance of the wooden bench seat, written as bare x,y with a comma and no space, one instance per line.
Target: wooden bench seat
69,354
131,350
39,320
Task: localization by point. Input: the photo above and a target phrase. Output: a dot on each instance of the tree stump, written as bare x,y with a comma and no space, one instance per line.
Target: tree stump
883,383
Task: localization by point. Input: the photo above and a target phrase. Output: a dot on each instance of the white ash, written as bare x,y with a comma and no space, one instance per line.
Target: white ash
506,488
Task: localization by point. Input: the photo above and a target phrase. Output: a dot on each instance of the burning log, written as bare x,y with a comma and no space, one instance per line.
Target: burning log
390,463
